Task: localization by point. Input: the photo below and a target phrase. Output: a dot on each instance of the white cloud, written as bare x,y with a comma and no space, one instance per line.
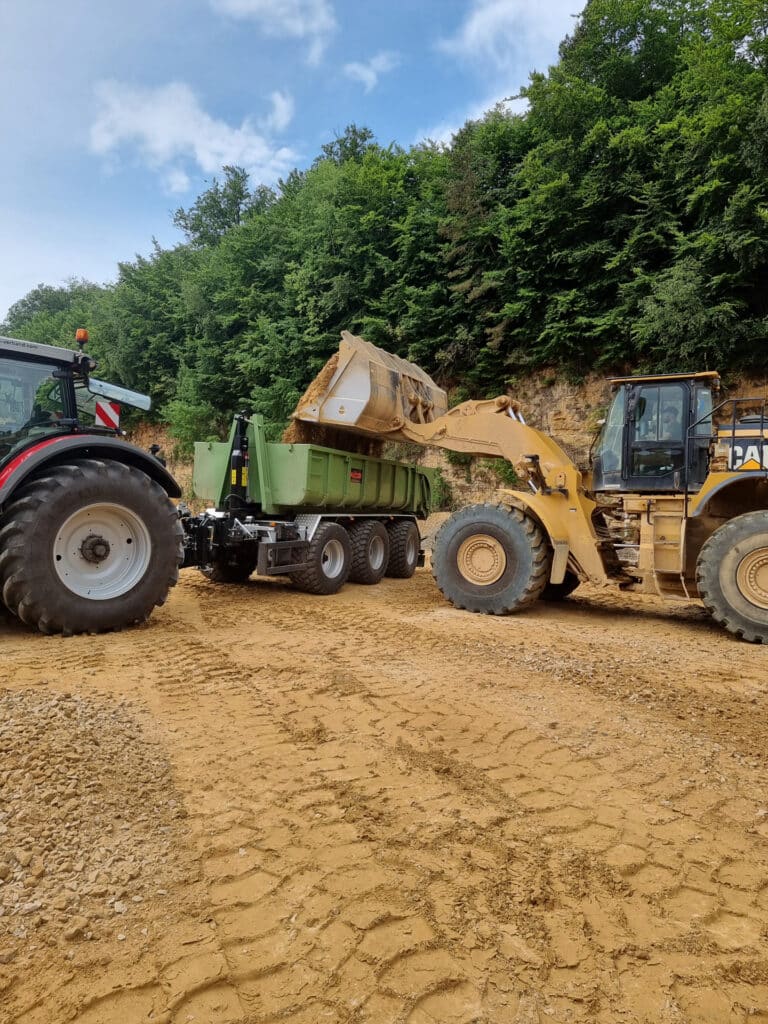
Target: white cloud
282,112
168,126
443,131
369,73
287,19
497,33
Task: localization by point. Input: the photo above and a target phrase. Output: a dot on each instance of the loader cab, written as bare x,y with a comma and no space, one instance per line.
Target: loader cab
656,435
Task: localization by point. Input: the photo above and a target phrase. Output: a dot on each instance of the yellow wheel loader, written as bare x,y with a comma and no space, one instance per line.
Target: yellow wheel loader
675,502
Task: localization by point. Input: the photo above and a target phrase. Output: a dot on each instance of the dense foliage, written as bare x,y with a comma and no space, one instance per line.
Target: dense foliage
622,220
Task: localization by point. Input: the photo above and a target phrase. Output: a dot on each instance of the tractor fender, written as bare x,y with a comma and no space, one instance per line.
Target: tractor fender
555,529
60,450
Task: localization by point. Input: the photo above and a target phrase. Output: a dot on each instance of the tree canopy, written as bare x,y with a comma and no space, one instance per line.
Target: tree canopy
620,221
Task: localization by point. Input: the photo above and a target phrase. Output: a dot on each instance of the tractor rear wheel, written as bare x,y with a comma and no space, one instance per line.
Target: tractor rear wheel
491,559
732,576
90,546
330,558
370,551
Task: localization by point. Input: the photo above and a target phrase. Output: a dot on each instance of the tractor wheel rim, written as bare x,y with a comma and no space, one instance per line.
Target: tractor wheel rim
481,560
376,553
752,577
102,551
332,559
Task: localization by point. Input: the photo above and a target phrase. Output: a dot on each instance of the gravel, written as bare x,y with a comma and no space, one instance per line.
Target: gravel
88,817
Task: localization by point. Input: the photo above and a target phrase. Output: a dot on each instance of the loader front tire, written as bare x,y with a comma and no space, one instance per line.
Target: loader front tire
491,559
330,561
732,576
88,547
370,551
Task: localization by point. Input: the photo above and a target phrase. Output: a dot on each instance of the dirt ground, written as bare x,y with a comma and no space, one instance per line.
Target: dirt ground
264,806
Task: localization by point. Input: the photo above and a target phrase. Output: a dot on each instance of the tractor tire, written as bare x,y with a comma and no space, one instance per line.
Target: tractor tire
330,555
559,591
91,546
491,559
404,546
370,551
224,572
732,576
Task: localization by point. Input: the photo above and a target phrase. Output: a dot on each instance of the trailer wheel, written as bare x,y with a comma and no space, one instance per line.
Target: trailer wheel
732,576
491,559
330,558
370,551
559,591
92,546
404,545
224,572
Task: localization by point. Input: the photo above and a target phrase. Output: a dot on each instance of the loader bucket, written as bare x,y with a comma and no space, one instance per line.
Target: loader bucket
370,392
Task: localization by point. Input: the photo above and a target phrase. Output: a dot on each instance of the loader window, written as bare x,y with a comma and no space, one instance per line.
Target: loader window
657,430
606,462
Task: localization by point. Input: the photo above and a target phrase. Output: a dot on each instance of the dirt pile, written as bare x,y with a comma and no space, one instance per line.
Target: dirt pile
87,820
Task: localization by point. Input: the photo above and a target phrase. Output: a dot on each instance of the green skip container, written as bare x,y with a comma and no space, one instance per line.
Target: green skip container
291,478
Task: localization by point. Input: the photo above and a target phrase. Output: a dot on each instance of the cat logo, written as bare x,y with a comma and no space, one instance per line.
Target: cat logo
747,457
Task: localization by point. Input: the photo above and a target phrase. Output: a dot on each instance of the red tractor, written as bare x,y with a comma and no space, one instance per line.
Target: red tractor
89,538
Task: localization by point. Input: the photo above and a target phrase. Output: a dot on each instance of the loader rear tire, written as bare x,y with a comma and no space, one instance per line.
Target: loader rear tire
732,576
90,546
404,546
370,551
559,591
330,558
491,559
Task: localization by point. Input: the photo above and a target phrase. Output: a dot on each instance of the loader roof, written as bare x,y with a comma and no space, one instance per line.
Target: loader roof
704,375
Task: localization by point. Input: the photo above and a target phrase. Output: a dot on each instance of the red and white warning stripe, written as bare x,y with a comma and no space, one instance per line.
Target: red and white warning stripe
108,415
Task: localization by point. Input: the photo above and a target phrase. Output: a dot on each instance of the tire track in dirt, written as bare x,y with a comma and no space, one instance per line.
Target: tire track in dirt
607,849
405,814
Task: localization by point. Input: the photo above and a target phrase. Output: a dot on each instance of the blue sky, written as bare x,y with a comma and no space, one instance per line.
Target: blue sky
113,113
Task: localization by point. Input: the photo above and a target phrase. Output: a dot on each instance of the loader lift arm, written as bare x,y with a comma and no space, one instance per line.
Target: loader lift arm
375,394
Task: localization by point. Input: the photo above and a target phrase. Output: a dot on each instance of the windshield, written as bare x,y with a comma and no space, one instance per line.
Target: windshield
606,462
30,401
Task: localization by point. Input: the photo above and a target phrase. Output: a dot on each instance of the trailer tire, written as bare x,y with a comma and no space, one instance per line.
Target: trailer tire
330,558
491,559
559,591
404,545
370,551
732,576
91,546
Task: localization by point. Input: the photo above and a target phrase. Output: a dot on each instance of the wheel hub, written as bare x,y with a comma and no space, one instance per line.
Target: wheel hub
332,559
102,551
95,548
752,577
481,560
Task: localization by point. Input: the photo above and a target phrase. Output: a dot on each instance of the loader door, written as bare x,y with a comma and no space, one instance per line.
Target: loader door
657,421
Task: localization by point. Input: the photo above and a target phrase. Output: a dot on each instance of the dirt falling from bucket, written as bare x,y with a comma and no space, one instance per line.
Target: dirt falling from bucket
300,432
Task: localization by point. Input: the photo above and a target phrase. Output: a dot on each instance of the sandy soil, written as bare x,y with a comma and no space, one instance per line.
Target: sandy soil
376,808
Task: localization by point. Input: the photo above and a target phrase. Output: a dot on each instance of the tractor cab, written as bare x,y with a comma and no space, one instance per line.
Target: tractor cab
657,434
